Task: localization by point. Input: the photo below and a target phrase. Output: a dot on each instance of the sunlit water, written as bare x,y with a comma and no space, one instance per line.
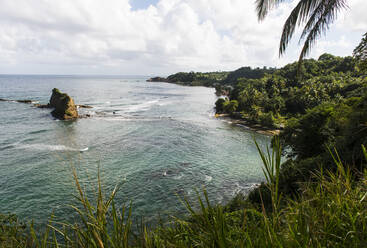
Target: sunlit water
155,140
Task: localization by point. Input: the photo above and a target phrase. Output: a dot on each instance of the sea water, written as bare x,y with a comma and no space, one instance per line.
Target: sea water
156,141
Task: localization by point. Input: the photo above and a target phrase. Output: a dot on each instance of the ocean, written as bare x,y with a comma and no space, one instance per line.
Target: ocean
156,141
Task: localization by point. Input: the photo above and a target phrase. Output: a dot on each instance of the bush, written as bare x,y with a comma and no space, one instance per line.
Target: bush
267,119
230,106
219,105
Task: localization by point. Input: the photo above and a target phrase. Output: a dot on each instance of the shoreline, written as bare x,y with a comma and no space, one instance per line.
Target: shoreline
247,125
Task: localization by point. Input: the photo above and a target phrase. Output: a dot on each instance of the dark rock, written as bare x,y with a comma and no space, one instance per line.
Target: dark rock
42,105
20,101
24,101
64,107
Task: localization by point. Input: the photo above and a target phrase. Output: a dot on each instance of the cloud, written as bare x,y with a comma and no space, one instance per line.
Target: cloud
354,18
110,37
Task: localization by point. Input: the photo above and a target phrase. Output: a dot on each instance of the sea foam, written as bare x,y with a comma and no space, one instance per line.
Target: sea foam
46,147
140,107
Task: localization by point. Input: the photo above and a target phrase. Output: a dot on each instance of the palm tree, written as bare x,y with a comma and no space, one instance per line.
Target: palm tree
360,52
315,15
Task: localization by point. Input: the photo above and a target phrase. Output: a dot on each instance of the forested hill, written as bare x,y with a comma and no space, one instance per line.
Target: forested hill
214,79
287,92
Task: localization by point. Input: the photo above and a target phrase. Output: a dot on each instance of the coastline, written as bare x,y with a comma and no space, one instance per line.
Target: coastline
226,117
248,125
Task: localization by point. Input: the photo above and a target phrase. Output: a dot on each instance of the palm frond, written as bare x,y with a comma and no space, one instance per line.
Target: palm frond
264,6
298,15
317,15
329,9
319,23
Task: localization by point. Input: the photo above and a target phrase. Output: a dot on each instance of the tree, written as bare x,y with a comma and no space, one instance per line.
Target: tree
230,106
316,15
219,105
360,52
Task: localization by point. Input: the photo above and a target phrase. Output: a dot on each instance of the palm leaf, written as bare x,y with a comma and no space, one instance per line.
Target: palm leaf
329,14
317,15
264,6
298,15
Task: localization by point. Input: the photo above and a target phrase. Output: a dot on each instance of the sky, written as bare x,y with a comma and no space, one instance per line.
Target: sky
155,37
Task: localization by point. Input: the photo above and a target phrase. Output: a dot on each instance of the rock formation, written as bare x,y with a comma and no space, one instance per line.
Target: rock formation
64,107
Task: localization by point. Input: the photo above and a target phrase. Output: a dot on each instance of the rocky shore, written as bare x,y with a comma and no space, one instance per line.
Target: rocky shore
248,125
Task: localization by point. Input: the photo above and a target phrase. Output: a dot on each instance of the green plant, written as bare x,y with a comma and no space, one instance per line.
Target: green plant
101,225
272,162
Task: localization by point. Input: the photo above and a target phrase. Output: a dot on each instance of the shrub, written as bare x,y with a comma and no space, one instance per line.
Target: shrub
219,105
230,106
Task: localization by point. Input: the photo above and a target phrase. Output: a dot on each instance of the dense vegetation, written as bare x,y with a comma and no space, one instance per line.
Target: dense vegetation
220,80
197,78
275,98
321,107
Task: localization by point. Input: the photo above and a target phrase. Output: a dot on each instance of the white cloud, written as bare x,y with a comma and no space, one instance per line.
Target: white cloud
104,37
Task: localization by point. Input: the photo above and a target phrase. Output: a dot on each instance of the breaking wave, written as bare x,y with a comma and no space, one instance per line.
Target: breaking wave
45,147
140,107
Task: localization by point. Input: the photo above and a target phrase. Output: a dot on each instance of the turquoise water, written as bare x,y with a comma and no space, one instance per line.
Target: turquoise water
156,140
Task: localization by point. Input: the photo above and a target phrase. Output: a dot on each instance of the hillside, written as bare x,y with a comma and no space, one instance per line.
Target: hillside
213,79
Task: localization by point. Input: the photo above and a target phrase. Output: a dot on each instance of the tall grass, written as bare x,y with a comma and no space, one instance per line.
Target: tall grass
330,212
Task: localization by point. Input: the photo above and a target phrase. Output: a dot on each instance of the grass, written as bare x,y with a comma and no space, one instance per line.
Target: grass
330,212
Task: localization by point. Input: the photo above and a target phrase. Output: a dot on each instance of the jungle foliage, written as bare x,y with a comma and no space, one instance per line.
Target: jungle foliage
281,95
218,79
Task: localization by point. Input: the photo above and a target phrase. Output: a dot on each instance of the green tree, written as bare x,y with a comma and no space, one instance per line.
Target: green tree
230,106
219,105
360,53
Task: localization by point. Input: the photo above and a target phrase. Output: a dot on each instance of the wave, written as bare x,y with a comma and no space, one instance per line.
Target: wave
179,176
6,147
208,178
45,147
243,126
243,188
140,107
38,131
165,103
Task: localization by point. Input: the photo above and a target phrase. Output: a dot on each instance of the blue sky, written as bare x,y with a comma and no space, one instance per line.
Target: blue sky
142,4
155,37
